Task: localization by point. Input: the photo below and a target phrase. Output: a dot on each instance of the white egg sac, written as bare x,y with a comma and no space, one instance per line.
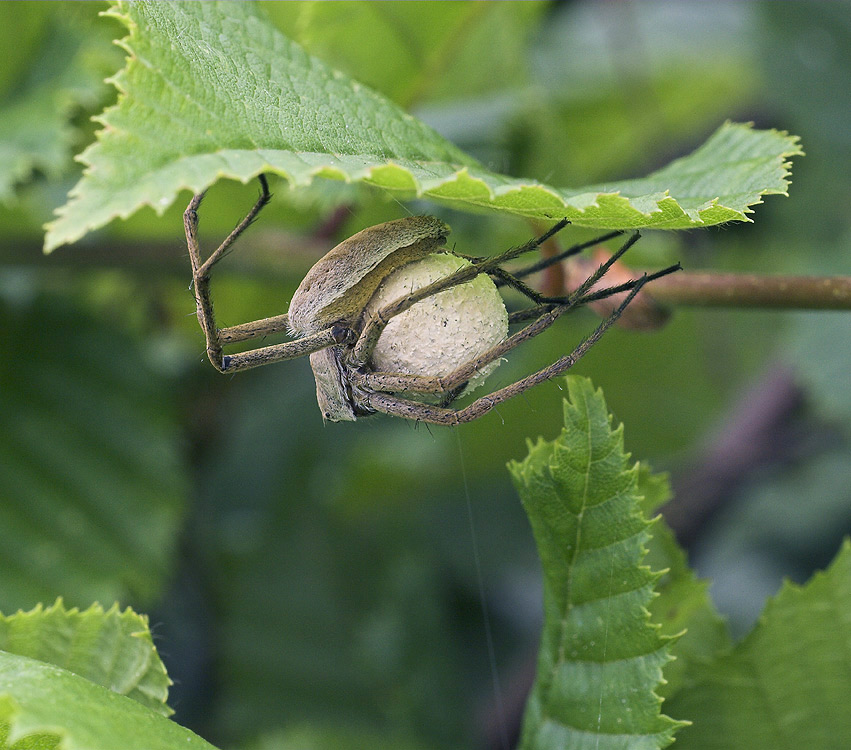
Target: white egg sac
441,332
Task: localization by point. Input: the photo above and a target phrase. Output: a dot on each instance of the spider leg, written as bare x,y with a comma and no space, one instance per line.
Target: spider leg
215,337
219,252
512,280
254,329
573,250
201,269
545,316
390,404
610,291
375,325
394,382
518,316
266,355
504,278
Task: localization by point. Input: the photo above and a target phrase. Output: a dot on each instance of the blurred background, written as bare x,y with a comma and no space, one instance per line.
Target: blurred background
304,579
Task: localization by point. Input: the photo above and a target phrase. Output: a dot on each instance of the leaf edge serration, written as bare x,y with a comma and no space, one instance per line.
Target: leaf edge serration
463,183
531,473
146,683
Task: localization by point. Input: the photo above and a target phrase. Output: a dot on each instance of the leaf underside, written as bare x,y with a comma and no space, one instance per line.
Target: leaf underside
601,659
213,90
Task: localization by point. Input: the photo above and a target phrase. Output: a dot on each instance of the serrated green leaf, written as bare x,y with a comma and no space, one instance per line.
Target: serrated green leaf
787,684
42,706
683,608
212,90
655,489
93,485
600,660
111,648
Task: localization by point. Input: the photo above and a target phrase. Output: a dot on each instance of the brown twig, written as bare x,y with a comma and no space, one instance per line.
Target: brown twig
268,248
715,289
710,289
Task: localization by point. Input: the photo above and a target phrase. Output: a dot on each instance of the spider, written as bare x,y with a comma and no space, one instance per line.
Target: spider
330,317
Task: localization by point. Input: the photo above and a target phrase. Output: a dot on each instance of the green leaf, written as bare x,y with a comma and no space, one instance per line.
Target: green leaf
417,51
683,607
42,706
93,484
600,659
786,684
36,130
212,90
113,648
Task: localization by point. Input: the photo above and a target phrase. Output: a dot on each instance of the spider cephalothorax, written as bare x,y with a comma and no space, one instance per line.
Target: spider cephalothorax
396,323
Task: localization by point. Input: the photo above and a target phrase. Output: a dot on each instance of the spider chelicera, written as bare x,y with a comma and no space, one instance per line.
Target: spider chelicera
329,321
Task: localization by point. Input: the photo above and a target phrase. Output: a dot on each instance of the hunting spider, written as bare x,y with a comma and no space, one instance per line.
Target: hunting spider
334,317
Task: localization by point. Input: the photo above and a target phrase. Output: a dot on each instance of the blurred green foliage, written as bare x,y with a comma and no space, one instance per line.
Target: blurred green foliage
248,527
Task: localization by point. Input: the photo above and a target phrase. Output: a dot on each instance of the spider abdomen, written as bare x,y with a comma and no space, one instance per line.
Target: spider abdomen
342,281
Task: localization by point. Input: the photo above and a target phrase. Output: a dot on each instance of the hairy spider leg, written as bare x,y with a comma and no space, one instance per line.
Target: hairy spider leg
373,327
546,315
216,338
401,407
512,278
567,253
393,382
376,324
454,381
518,316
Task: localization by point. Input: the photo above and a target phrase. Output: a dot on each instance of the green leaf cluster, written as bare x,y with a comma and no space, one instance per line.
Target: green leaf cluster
244,99
87,679
113,648
93,678
327,574
787,683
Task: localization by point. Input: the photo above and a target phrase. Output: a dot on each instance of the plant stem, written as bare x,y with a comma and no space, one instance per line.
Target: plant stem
707,289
